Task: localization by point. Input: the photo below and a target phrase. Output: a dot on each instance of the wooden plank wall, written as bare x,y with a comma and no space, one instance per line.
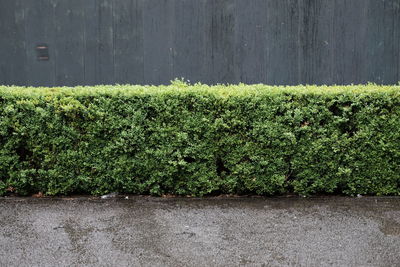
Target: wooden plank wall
210,41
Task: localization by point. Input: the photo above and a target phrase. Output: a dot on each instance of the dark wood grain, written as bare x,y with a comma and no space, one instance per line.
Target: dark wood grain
12,43
192,46
283,42
40,30
69,45
158,31
128,41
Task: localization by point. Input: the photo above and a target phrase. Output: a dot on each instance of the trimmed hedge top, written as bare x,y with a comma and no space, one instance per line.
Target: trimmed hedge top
179,87
197,140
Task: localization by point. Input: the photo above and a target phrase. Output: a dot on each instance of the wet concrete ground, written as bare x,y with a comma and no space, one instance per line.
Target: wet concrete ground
145,231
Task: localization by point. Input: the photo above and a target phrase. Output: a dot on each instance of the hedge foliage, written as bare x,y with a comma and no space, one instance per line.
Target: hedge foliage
197,140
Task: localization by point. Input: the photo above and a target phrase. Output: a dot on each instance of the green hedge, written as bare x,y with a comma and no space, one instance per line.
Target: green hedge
198,140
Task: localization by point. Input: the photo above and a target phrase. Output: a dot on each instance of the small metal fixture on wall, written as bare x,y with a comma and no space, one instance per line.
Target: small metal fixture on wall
42,52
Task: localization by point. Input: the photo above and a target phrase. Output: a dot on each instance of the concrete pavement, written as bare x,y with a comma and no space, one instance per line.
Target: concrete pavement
147,231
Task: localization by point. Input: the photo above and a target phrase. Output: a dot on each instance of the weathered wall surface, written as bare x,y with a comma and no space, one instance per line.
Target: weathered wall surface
211,41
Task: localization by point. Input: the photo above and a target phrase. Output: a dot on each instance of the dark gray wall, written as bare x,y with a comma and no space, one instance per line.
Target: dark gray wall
212,41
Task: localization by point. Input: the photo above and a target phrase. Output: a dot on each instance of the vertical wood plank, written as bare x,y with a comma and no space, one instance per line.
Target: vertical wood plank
282,42
207,75
396,36
390,21
12,43
373,45
99,57
250,59
40,29
223,41
128,42
350,36
105,51
69,21
191,41
318,40
91,42
158,18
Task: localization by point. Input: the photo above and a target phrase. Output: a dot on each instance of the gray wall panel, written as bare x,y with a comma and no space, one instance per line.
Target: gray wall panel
282,42
13,67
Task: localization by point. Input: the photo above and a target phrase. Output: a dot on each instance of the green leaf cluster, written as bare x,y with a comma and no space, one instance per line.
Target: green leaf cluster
198,140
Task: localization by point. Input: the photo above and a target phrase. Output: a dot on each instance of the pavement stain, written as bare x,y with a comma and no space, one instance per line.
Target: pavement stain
139,238
77,236
390,227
